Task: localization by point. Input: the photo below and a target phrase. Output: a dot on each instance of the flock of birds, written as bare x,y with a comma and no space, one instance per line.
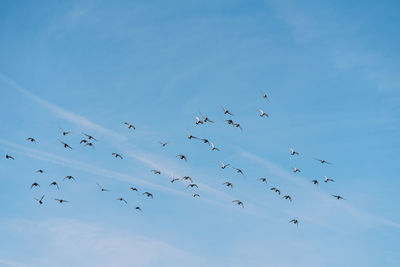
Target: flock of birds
89,140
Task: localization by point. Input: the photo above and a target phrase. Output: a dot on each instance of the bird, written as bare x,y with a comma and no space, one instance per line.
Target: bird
102,189
134,189
287,197
84,141
187,178
65,144
223,166
64,133
138,208
239,171
69,177
292,152
205,118
174,179
294,221
40,200
192,185
61,200
35,184
31,139
40,171
117,155
196,195
240,203
148,194
315,182
262,179
155,171
226,111
54,183
213,148
205,141
130,126
190,136
163,144
89,137
326,179
198,121
237,125
229,122
337,197
263,114
276,190
265,96
296,170
122,199
182,157
228,184
89,144
9,157
322,161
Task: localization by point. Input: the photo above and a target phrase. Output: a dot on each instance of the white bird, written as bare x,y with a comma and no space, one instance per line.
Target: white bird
226,111
326,179
223,165
198,121
206,119
263,114
295,169
190,136
292,152
213,147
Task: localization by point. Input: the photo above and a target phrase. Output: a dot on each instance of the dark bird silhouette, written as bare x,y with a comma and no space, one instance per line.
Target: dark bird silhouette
205,118
190,136
174,180
40,200
226,111
205,141
54,183
315,182
84,141
65,144
292,152
89,144
294,221
295,169
223,166
228,184
262,179
276,190
40,171
61,200
148,194
9,157
196,195
163,144
239,171
265,96
138,208
65,133
69,177
182,157
237,125
102,189
263,114
192,185
287,197
187,178
322,161
35,184
122,199
130,126
32,140
90,137
134,189
326,179
117,155
240,203
229,122
337,197
155,171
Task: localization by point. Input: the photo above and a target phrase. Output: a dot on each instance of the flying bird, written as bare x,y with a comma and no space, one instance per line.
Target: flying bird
228,184
237,125
205,141
239,171
89,137
54,183
187,178
138,208
265,96
61,200
84,141
102,189
295,169
155,171
190,136
35,184
182,157
326,179
213,148
322,161
240,203
223,166
276,190
226,111
65,144
229,122
196,195
89,144
337,197
117,155
174,180
315,182
292,152
134,189
148,194
9,157
122,199
287,197
40,171
263,114
69,177
205,118
40,200
163,144
198,121
262,179
31,139
65,133
192,185
294,221
130,126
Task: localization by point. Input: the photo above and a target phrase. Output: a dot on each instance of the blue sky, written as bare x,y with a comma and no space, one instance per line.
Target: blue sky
330,69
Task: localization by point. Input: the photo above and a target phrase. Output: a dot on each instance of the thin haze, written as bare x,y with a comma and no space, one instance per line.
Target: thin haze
331,73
